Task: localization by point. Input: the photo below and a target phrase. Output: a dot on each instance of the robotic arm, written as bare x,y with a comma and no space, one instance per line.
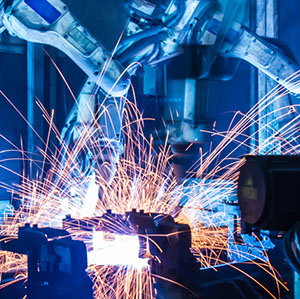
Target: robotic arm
157,31
201,23
51,22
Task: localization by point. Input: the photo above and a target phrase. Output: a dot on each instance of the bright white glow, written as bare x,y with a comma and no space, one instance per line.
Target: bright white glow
111,249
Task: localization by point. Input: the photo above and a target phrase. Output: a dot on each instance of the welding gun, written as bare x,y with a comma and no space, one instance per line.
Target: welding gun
56,263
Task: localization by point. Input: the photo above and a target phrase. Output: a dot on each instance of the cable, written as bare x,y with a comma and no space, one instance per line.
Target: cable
179,13
291,246
137,36
140,45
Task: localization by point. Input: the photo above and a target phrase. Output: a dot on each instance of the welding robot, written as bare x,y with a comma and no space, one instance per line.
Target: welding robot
199,34
203,34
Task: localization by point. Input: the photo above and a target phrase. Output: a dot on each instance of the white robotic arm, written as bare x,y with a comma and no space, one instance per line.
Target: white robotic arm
156,31
202,23
268,58
50,22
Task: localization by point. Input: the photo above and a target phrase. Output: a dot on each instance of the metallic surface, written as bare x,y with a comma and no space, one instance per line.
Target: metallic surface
67,34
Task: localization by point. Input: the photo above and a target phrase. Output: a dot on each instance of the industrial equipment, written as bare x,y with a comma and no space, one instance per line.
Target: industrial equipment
56,263
164,36
268,191
268,194
202,34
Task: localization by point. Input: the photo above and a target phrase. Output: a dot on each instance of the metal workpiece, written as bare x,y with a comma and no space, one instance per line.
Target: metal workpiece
57,263
267,58
54,24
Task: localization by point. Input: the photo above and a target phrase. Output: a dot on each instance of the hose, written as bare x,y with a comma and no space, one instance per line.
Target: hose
137,47
178,15
137,36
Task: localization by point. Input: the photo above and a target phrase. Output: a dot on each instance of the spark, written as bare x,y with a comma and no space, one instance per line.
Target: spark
143,181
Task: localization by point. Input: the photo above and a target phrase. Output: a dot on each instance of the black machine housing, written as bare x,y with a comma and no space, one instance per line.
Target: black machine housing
269,191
